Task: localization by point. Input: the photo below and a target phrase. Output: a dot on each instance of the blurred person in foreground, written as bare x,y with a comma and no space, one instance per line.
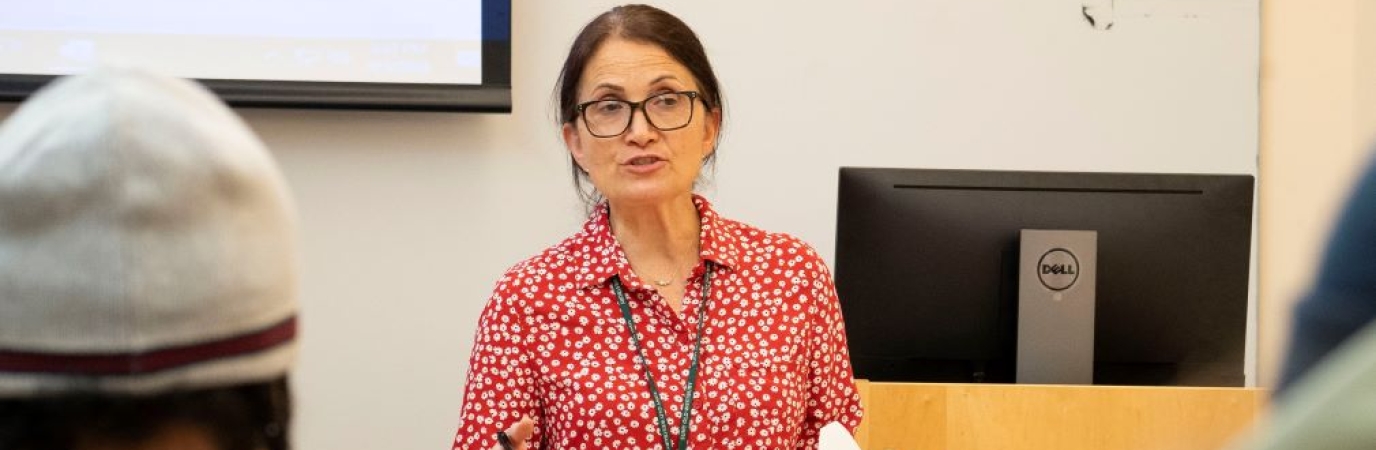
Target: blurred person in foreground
1343,298
661,324
147,271
1327,399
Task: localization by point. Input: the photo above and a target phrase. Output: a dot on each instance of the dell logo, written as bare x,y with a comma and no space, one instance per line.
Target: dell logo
1058,269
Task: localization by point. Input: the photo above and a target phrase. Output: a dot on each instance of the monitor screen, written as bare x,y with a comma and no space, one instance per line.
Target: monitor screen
926,271
402,54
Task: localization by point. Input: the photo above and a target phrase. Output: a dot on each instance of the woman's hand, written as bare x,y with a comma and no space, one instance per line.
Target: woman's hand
519,434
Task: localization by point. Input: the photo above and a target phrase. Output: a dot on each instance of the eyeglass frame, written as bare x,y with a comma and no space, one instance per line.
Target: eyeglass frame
693,96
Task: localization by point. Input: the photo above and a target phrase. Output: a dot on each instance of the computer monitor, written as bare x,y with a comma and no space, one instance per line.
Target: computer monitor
926,271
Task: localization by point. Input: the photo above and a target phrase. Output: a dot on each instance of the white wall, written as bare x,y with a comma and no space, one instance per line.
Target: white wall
409,217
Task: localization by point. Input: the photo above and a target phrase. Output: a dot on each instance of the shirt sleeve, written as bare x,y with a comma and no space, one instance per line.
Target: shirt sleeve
832,396
501,385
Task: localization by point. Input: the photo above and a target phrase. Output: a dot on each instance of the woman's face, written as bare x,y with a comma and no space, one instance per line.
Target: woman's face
644,165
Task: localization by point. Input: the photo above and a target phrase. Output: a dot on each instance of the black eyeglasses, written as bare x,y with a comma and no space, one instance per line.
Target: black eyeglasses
666,112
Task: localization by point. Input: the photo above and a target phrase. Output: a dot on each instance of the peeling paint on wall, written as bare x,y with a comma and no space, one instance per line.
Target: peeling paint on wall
1099,14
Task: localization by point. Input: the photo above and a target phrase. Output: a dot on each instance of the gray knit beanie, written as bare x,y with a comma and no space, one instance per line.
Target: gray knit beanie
147,242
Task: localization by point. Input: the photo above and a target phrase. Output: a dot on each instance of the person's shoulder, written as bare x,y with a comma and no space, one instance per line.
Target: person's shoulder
776,247
551,265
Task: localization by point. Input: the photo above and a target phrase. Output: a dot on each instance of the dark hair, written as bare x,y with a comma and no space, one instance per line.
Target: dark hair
640,23
244,417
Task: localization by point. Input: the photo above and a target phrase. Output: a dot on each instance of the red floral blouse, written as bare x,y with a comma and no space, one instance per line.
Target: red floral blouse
552,344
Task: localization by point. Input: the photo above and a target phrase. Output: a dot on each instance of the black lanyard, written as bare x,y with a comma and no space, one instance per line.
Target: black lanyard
687,413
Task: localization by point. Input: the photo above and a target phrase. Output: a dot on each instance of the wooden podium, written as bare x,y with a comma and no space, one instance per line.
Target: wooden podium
918,416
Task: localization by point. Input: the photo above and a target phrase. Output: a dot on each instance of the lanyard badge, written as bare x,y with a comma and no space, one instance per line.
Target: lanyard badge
686,416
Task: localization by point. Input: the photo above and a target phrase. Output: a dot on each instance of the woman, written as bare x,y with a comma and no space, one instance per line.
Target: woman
660,324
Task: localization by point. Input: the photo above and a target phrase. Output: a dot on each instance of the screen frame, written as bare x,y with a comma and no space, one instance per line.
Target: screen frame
952,235
493,95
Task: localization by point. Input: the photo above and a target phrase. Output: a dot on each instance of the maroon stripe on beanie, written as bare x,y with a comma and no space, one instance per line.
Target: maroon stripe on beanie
151,361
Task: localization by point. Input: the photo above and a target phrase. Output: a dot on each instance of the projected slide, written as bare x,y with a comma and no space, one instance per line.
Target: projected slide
398,41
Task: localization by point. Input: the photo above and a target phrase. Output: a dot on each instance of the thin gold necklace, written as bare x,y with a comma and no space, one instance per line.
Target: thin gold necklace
662,282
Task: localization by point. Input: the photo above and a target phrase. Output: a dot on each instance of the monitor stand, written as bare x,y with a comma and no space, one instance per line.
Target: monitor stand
1056,274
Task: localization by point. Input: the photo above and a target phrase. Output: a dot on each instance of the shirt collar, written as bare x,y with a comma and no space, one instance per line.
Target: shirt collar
718,242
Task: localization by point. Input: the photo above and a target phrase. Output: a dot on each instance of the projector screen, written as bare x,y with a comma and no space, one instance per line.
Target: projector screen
450,55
